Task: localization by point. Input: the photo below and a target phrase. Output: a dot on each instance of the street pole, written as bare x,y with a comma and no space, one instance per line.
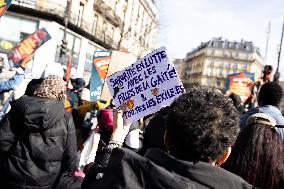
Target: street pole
277,73
267,41
122,27
66,20
66,58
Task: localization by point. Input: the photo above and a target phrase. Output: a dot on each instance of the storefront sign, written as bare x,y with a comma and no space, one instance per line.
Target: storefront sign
101,62
240,84
146,86
4,5
29,45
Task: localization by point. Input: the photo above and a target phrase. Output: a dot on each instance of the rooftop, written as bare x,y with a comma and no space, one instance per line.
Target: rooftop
225,44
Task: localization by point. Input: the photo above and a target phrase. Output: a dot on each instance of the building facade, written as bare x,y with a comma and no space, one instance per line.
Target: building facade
211,63
128,25
180,66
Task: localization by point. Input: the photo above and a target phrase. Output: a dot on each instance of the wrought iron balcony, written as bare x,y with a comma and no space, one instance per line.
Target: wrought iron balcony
108,12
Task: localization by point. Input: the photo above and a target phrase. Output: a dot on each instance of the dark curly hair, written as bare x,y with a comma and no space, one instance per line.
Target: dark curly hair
270,94
201,125
258,157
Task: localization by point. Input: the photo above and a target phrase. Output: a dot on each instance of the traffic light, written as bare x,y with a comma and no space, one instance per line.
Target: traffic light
63,49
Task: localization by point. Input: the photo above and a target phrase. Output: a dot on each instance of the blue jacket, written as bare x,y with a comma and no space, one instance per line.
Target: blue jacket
269,110
10,84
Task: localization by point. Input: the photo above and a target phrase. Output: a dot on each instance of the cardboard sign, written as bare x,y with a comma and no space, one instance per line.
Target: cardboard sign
4,5
102,61
29,45
119,61
146,86
240,84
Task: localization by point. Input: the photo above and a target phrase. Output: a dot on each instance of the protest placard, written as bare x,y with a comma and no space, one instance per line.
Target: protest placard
96,85
4,5
101,61
240,84
119,61
29,45
146,86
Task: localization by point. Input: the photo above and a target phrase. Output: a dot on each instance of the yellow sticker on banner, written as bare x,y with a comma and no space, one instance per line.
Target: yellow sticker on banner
2,3
130,104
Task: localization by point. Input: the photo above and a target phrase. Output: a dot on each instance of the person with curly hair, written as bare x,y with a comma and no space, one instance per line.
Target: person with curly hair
202,125
257,155
269,98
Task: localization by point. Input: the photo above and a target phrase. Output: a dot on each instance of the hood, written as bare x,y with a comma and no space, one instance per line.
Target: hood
271,110
201,173
37,113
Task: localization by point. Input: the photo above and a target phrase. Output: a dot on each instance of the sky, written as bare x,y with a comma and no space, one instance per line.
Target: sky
184,24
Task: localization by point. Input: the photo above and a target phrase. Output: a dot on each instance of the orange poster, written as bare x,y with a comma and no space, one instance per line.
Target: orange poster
101,62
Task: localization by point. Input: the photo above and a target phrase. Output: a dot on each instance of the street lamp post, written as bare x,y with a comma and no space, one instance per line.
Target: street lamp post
63,50
277,73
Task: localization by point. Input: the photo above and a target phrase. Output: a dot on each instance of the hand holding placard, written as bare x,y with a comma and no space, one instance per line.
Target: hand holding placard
120,127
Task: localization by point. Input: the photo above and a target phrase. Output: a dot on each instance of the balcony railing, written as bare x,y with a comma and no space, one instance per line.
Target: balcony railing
25,3
52,6
108,12
56,9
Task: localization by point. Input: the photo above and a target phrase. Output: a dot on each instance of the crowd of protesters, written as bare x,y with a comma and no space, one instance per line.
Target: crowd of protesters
53,136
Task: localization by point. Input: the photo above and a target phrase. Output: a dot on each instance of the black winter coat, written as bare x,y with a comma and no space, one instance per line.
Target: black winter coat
37,144
158,170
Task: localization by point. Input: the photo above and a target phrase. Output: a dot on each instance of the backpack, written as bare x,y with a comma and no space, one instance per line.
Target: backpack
105,119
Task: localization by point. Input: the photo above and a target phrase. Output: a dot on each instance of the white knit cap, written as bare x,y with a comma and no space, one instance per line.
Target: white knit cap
54,69
85,94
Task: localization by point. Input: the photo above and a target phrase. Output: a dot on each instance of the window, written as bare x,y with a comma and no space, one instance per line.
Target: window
111,32
213,52
245,67
228,65
70,40
246,56
89,57
80,15
225,44
237,54
19,28
235,67
218,83
248,47
238,45
104,31
226,72
208,82
95,24
216,44
73,48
